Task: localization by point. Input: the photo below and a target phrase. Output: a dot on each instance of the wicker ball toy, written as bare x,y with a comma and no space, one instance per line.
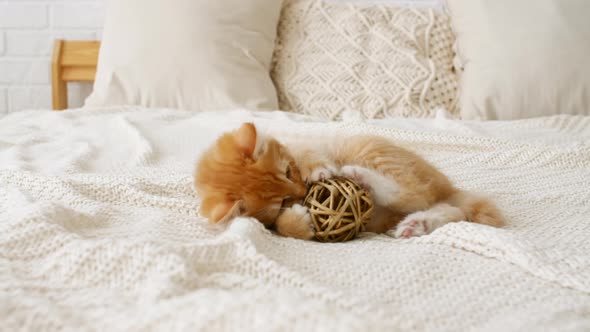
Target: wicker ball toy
339,209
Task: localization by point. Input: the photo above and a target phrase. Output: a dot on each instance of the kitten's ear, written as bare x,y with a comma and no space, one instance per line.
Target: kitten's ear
224,212
246,138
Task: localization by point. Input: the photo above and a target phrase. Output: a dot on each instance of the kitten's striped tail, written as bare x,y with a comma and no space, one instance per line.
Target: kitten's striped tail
477,209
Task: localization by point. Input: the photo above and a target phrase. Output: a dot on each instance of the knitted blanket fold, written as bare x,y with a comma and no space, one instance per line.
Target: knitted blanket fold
100,230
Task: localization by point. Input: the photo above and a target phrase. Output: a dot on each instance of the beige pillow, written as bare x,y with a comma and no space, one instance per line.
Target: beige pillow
524,58
189,54
376,59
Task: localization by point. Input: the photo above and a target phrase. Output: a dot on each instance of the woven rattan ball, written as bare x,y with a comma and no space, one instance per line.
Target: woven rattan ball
339,209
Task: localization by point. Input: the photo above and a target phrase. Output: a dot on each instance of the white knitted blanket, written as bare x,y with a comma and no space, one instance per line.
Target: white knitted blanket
99,231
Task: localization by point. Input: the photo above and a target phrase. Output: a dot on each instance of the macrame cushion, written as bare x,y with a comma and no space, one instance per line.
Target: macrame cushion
376,59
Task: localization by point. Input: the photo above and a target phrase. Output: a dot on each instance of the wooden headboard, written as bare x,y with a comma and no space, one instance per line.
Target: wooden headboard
73,61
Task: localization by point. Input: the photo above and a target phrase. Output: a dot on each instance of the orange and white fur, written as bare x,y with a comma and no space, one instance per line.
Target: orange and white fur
245,174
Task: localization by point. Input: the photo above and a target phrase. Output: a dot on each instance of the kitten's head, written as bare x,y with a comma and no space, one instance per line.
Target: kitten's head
249,175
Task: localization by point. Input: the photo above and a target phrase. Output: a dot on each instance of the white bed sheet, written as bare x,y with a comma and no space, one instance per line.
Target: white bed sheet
99,230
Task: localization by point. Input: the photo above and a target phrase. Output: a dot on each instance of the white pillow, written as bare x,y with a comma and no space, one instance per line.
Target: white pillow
188,54
524,58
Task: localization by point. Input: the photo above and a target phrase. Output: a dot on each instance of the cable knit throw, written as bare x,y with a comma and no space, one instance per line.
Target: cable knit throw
100,231
377,59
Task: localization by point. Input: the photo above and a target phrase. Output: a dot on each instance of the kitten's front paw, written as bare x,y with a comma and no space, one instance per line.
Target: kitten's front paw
356,173
411,227
296,222
317,171
322,173
383,188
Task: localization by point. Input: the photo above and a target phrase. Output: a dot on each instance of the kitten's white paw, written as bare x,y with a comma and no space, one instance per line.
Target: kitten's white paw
411,227
384,189
322,173
299,210
424,222
296,222
356,173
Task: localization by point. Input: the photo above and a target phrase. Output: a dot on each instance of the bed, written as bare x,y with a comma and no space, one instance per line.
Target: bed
100,229
103,232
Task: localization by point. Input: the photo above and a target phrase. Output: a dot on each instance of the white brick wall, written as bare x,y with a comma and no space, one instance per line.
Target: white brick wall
27,31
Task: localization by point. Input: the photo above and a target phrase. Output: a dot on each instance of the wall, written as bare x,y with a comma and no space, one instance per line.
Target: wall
27,31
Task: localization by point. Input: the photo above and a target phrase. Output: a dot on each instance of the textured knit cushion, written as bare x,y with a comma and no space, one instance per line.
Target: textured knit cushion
524,58
189,54
377,59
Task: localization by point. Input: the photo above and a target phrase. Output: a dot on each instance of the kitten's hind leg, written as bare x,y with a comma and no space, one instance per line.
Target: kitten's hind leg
384,190
424,222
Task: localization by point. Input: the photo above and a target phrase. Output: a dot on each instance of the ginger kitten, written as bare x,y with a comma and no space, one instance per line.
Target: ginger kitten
245,174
